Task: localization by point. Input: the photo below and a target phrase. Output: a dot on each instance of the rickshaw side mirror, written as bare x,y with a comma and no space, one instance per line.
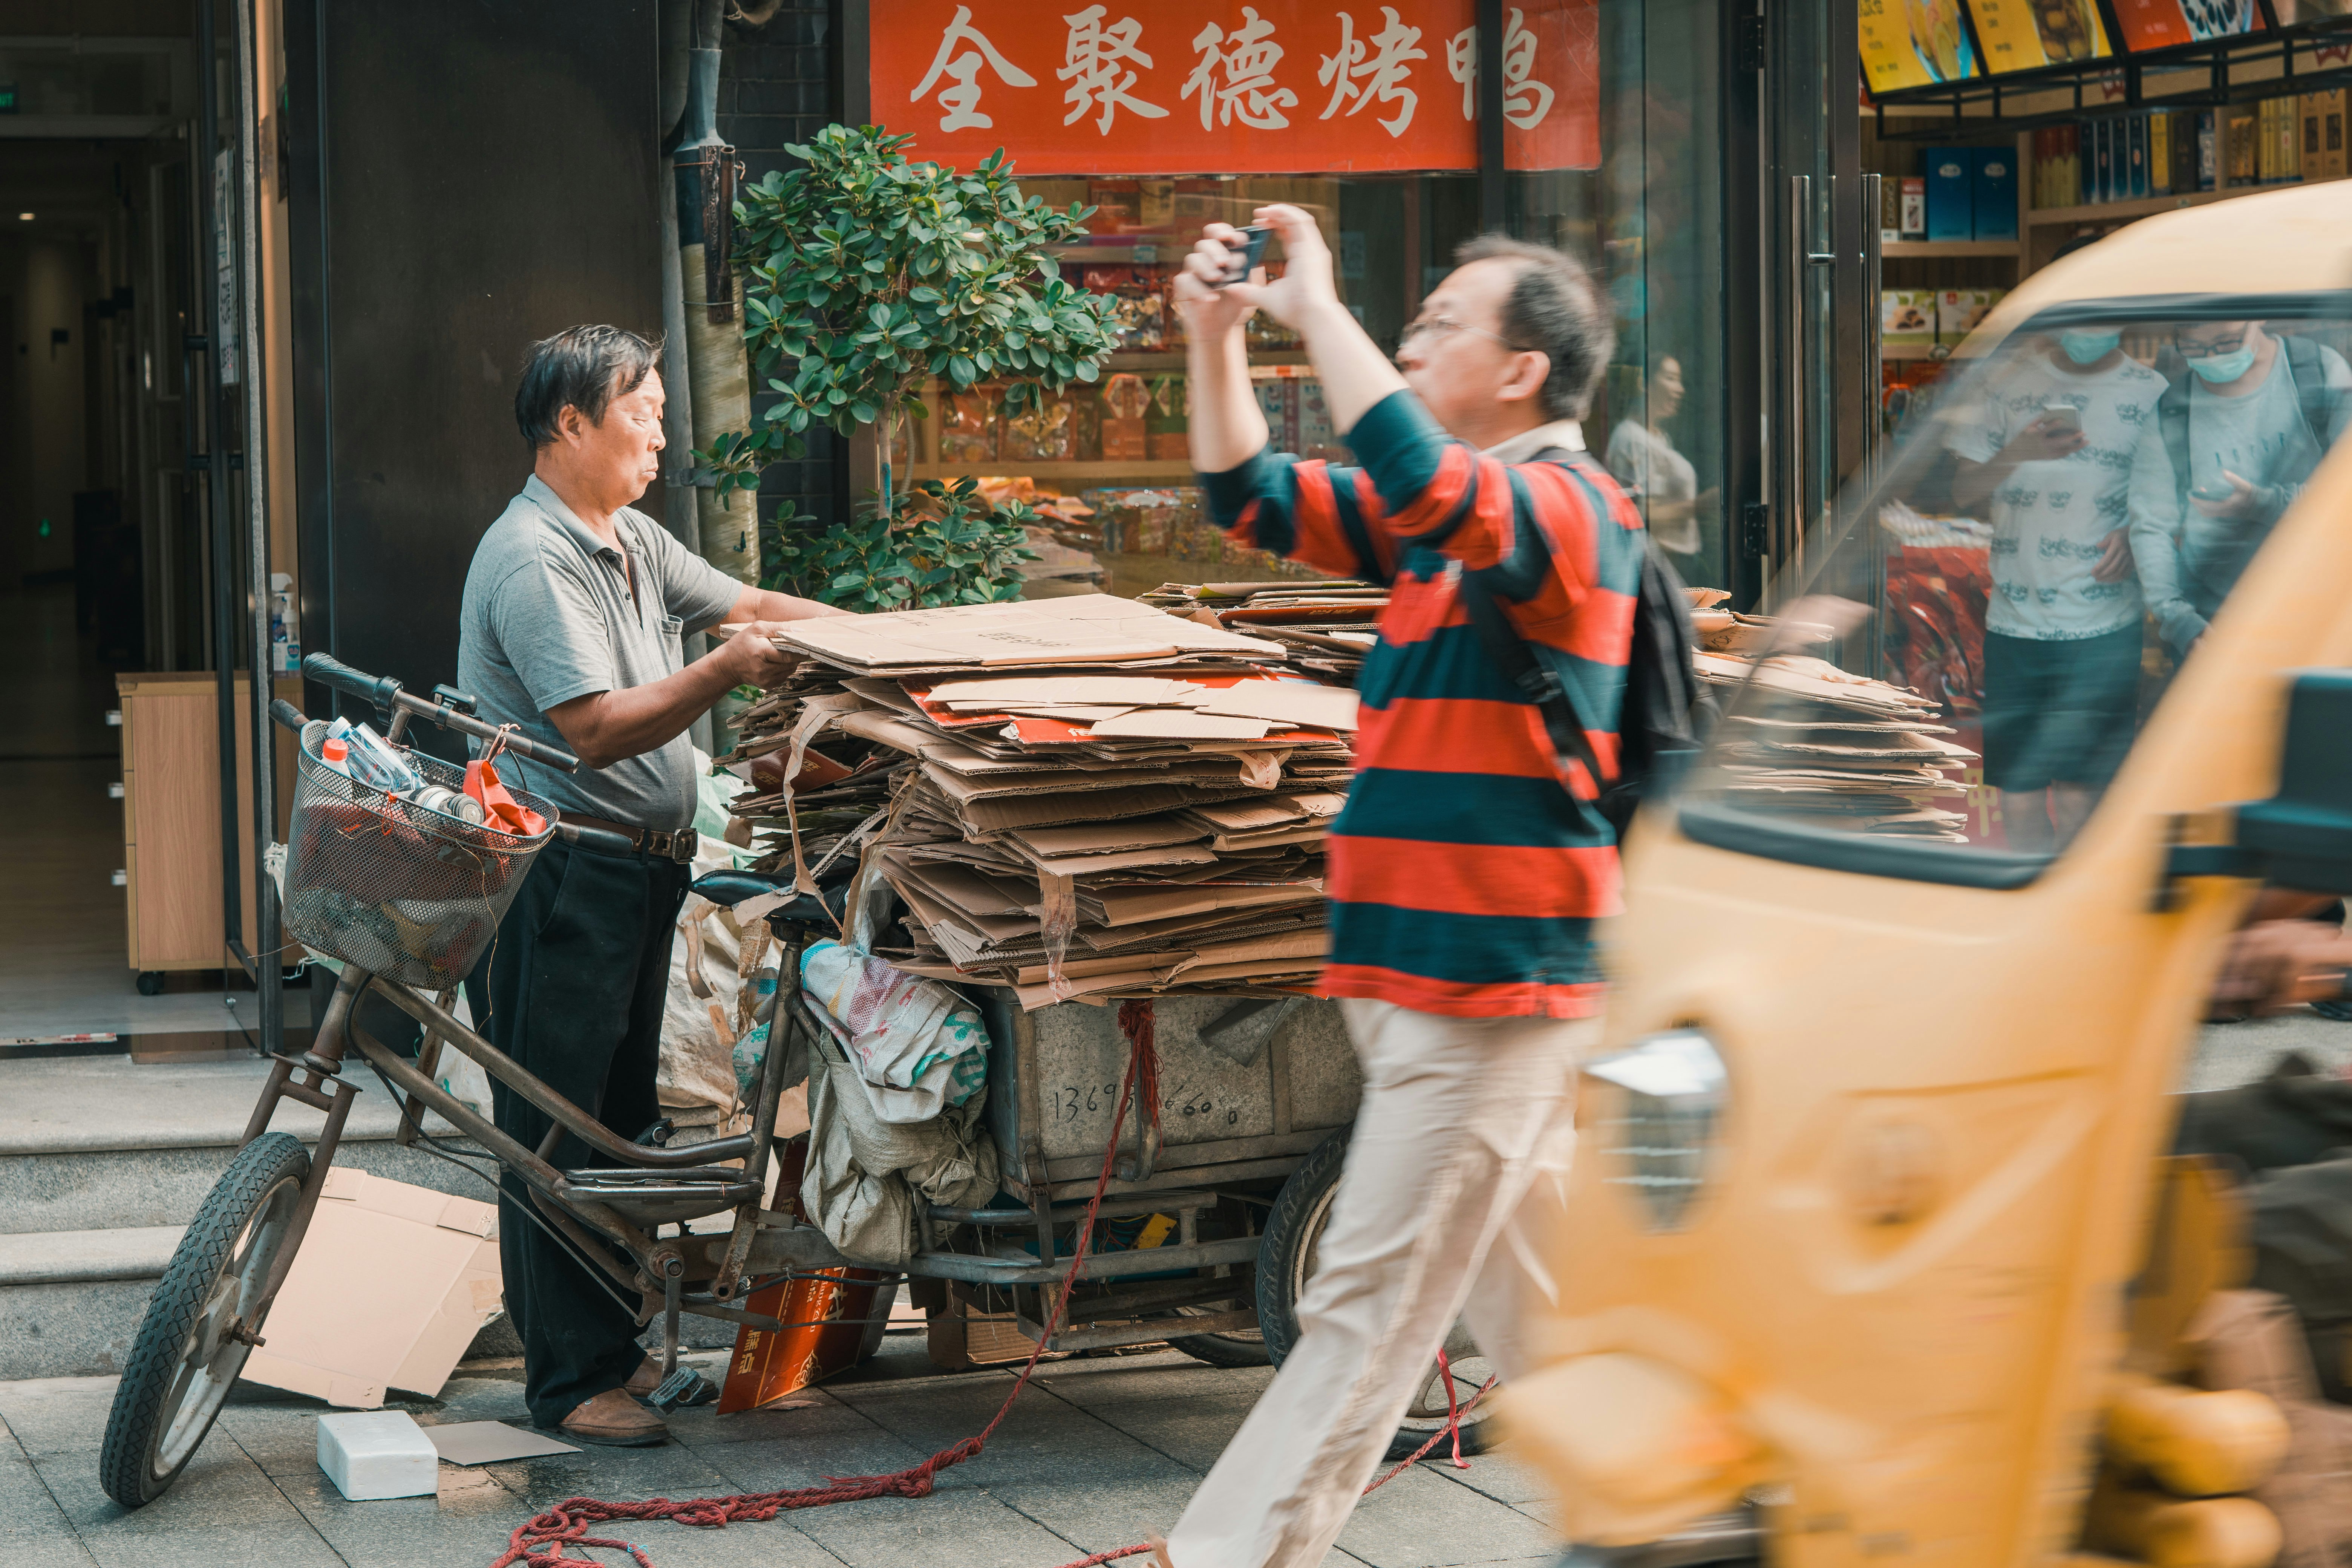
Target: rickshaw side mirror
2302,836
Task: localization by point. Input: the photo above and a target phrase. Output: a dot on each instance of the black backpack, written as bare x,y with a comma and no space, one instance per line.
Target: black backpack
1666,711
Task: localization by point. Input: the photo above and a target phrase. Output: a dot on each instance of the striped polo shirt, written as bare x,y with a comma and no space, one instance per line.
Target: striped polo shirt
1462,879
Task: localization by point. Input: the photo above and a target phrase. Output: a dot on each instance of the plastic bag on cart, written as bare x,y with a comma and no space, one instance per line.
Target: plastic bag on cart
919,1047
709,1026
864,1176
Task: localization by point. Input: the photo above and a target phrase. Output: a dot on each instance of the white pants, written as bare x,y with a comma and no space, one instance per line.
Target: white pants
1458,1158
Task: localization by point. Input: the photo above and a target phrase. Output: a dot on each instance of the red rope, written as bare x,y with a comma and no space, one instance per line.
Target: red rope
1137,1022
543,1541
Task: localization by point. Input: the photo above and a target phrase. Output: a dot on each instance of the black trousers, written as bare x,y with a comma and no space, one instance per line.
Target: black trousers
576,984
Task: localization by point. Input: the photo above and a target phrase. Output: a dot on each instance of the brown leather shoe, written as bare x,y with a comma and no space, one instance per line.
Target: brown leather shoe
615,1421
645,1380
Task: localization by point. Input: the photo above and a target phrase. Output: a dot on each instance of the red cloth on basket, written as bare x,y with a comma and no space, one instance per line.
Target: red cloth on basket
500,809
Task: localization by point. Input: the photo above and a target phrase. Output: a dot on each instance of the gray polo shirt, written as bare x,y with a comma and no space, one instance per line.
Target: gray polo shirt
549,615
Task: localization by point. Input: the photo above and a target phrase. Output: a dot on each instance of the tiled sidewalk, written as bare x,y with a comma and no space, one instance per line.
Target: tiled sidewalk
1098,1452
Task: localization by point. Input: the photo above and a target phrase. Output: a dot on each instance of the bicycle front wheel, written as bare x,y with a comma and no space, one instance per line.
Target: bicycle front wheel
199,1325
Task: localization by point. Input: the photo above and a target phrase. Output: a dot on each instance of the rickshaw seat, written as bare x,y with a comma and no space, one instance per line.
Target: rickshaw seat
727,889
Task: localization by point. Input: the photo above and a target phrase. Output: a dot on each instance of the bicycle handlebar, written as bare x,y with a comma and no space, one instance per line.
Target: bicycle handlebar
385,693
329,671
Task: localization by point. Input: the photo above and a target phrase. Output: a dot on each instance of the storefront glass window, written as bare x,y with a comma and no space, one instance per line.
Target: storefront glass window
1648,219
1365,116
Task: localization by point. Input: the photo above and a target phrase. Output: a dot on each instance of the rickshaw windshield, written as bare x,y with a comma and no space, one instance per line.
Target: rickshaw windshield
1989,622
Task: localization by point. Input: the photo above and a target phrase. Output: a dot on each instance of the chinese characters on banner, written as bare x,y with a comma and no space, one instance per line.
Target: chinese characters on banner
1273,87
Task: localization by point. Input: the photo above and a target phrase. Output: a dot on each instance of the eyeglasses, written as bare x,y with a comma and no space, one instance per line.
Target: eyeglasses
2207,351
1445,326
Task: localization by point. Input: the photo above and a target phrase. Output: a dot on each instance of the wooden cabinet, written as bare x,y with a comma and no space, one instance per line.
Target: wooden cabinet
170,815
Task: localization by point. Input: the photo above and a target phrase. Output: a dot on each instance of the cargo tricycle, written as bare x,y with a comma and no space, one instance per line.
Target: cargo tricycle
1256,1095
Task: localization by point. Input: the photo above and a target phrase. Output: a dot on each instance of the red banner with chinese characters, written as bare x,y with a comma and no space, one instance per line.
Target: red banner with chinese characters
1288,87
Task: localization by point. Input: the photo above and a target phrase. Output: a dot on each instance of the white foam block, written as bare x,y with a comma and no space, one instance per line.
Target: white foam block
373,1454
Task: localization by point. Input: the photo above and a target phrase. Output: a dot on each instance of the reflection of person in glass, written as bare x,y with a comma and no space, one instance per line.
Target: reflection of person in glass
2232,444
1642,456
2047,453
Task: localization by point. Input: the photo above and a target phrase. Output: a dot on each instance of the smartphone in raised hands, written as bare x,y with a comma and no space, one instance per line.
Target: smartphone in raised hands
1253,242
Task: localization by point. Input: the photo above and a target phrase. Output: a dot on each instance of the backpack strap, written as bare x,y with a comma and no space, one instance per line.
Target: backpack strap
1541,684
1554,699
2172,424
2309,373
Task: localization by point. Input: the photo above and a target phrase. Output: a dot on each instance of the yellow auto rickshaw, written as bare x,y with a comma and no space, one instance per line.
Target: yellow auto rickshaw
1914,957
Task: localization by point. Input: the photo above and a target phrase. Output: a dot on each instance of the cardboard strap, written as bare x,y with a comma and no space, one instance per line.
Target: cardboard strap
816,714
1057,919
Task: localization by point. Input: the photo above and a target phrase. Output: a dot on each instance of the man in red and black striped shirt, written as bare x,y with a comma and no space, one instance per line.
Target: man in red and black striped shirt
1470,864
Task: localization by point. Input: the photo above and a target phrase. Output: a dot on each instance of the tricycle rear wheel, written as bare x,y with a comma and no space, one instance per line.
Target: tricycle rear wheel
202,1320
1285,1261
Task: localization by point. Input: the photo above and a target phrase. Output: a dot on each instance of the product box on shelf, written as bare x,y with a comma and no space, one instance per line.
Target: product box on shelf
1138,306
1951,177
1913,210
1168,421
1316,438
1958,312
1993,193
1125,400
1043,431
1277,400
968,423
1907,318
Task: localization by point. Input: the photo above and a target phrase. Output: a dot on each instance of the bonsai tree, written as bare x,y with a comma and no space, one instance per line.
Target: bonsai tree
867,275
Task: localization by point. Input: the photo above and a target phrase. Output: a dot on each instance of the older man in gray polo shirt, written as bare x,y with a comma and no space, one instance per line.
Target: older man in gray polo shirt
572,629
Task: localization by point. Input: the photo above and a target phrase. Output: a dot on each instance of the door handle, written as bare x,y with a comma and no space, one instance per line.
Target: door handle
1795,362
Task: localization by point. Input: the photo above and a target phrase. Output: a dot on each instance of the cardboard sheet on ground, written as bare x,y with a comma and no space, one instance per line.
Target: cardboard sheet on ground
390,1286
487,1442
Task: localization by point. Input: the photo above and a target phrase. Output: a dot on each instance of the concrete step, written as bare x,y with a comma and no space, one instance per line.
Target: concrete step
93,1143
103,1165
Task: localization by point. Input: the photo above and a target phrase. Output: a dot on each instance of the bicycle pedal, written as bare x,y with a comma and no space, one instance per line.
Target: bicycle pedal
683,1388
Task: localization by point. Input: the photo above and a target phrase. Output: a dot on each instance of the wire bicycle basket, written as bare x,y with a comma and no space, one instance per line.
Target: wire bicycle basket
400,890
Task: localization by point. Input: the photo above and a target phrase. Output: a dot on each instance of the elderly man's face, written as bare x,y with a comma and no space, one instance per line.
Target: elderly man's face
1456,357
619,456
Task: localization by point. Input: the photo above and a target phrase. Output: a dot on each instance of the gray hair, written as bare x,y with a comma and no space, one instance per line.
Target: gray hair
581,367
1552,309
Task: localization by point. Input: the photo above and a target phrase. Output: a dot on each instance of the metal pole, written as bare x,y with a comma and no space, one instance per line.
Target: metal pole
266,971
214,460
1492,206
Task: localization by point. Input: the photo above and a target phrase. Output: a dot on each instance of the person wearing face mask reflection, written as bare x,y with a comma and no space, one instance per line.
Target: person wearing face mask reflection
2232,444
2046,457
1660,478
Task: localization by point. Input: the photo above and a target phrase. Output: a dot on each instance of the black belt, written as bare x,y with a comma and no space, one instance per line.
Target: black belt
678,844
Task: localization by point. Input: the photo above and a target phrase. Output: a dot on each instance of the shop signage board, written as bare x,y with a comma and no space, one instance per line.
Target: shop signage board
1275,86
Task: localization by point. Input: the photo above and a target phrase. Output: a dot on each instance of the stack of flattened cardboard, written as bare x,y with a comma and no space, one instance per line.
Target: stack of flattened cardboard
1816,742
1326,628
1118,820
